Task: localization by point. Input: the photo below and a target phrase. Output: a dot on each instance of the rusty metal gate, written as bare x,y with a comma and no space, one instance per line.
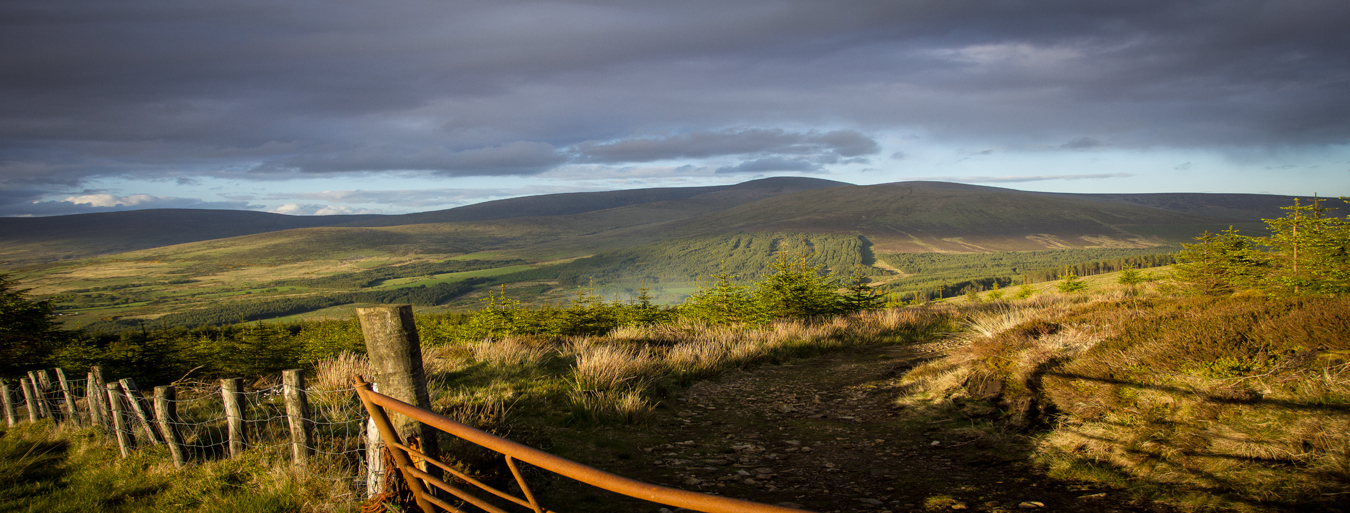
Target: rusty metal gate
418,480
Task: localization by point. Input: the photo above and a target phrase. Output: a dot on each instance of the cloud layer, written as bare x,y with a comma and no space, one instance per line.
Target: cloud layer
253,90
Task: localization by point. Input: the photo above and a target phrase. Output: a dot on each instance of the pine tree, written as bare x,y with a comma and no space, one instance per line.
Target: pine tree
1311,251
28,329
1024,291
797,289
1220,263
1071,284
995,293
860,296
724,304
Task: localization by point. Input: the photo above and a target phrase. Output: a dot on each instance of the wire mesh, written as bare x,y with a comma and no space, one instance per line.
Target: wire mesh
338,421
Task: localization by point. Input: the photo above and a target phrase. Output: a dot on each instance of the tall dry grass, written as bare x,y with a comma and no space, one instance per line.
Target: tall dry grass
601,366
511,351
1225,403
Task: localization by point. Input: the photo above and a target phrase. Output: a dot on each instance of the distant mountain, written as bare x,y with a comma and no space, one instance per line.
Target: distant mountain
897,217
936,216
27,240
547,205
1236,207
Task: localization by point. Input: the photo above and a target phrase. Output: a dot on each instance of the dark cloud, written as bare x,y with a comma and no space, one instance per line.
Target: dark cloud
1082,143
514,158
276,90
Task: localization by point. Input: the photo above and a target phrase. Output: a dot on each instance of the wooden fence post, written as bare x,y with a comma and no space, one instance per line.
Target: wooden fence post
119,421
167,412
91,394
40,392
297,412
374,456
232,392
100,387
10,418
29,398
71,411
46,403
395,353
139,407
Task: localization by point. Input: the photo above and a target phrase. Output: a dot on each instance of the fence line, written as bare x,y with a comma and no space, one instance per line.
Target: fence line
336,435
324,433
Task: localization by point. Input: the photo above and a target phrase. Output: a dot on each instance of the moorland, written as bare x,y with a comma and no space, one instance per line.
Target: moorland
126,270
912,346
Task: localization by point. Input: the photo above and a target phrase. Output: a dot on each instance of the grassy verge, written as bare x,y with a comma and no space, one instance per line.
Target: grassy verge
64,470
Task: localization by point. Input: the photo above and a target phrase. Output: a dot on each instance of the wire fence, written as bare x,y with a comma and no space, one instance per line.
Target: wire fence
325,431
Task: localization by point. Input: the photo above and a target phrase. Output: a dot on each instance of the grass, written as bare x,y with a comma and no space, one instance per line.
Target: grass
50,469
450,277
1235,403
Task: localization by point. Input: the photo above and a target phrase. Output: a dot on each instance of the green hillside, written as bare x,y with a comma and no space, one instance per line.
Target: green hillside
681,263
669,244
925,216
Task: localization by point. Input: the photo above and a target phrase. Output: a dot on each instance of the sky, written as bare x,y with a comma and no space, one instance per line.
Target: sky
341,107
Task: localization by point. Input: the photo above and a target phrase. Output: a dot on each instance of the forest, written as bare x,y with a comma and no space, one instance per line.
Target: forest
938,275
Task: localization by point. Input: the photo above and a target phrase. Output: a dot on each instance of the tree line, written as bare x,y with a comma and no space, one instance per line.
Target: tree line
938,275
1305,253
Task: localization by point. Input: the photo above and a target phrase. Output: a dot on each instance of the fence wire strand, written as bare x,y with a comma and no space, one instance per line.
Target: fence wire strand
337,421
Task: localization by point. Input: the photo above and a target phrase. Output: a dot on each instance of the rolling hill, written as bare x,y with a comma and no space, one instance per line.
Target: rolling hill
28,241
545,246
31,240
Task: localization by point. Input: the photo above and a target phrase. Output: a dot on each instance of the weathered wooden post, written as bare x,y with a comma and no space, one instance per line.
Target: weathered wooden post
395,353
91,395
72,415
167,412
45,402
138,406
40,391
297,412
10,418
29,398
124,440
100,385
374,456
232,392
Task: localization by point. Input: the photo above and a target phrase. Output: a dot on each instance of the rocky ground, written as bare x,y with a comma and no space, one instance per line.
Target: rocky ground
823,434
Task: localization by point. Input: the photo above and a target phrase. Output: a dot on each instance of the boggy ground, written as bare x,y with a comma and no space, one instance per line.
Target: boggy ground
822,434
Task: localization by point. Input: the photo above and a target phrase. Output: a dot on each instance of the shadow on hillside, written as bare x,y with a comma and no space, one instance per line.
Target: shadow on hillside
1238,399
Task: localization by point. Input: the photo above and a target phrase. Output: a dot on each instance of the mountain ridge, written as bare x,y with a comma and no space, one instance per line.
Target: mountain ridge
945,217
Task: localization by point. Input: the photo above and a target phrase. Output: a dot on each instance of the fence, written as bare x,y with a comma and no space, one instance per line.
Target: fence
323,431
421,482
338,435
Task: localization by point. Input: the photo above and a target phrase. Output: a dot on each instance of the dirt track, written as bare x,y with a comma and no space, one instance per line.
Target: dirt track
823,434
